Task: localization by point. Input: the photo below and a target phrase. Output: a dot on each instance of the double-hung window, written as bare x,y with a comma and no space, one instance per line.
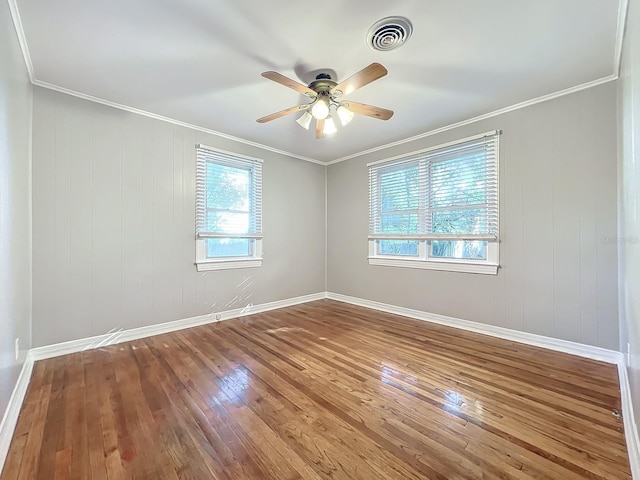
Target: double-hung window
228,210
437,208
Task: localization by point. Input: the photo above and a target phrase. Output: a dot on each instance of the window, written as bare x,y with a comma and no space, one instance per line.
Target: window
228,210
438,208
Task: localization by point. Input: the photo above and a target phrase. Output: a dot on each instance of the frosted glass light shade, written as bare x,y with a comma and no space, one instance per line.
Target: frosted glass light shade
305,120
320,109
329,126
345,115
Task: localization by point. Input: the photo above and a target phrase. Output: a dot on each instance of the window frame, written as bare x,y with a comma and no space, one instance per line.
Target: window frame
424,259
205,155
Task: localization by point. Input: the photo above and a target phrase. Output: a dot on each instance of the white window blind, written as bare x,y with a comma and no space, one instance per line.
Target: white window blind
229,195
438,206
228,210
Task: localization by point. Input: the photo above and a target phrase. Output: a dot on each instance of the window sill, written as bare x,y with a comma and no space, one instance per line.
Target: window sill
228,264
484,269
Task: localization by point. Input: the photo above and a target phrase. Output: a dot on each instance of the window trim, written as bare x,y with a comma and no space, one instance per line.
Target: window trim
423,260
202,262
486,267
227,263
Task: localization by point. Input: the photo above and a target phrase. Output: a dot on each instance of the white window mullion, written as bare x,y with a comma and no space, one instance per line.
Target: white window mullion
423,249
424,207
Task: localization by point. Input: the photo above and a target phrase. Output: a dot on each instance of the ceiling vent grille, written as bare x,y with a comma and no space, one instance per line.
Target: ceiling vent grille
389,33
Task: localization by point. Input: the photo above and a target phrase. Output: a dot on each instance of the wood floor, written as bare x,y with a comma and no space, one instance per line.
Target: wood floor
320,390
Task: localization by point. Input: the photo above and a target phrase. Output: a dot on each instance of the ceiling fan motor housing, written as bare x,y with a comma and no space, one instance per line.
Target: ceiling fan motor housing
322,83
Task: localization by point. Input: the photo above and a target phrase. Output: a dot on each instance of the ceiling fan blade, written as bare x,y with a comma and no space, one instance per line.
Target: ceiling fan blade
282,113
368,110
320,128
287,82
360,79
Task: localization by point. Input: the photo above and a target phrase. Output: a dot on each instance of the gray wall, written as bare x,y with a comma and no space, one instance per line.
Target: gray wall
15,206
113,218
558,222
629,192
113,223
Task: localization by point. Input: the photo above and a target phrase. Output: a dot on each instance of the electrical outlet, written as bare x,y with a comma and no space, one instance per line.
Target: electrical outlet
17,348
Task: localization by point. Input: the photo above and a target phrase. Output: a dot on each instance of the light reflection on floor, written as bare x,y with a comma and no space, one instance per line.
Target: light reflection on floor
234,386
395,373
454,402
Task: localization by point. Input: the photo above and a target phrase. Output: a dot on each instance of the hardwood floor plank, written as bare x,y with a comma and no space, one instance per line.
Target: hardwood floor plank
54,424
323,390
356,419
235,456
312,423
534,421
341,394
29,466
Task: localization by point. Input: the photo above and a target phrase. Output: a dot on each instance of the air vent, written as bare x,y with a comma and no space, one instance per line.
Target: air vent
389,33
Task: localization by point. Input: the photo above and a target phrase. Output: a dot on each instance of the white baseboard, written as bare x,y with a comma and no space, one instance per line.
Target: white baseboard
574,348
10,418
628,417
120,336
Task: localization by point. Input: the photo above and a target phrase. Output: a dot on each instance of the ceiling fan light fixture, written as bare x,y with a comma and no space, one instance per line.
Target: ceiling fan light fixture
344,114
320,108
305,120
325,106
329,127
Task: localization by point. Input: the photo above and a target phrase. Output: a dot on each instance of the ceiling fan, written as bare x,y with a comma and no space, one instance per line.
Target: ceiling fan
325,99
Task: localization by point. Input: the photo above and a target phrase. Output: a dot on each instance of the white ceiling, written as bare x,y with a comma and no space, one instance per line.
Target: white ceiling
199,62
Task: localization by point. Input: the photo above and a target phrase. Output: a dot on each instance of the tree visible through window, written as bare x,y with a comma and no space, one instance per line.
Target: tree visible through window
438,205
459,204
399,212
228,209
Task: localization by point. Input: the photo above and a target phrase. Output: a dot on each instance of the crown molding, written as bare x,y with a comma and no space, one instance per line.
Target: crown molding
173,121
517,106
623,8
620,29
485,116
22,39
